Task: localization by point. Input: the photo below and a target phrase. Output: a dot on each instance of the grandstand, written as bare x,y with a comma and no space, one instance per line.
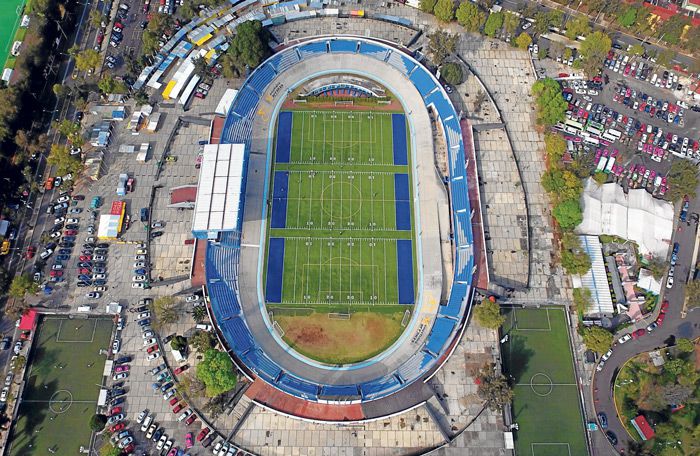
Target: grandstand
222,256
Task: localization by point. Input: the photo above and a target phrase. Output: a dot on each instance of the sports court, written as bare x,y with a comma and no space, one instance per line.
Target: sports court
538,360
9,23
63,385
341,228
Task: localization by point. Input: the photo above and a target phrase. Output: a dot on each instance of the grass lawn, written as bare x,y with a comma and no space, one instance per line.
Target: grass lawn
335,341
62,387
342,224
538,358
9,22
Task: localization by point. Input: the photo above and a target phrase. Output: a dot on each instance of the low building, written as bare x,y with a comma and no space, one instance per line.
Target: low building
111,224
183,197
642,426
596,279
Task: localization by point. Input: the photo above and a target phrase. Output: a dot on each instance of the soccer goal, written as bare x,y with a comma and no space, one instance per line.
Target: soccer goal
339,316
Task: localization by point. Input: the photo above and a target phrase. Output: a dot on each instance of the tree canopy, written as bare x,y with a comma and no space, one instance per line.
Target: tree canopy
247,49
555,147
593,52
452,73
165,311
109,85
470,16
427,6
682,180
577,26
494,23
562,184
64,162
441,45
217,372
493,387
510,22
597,339
692,293
488,314
523,41
21,285
178,343
89,59
98,422
202,341
568,214
551,106
445,10
573,258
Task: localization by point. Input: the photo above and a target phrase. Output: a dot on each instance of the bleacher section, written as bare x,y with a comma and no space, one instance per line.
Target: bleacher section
222,257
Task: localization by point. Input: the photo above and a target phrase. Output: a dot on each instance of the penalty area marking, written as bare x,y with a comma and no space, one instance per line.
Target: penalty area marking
60,327
568,448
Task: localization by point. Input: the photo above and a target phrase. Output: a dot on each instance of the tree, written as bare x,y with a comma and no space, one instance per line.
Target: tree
164,309
494,23
568,214
248,48
178,343
21,285
672,29
109,450
199,313
217,372
488,314
637,49
216,406
445,10
665,57
89,59
427,6
108,85
69,129
554,147
594,51
682,180
628,17
20,362
493,387
441,45
562,184
685,345
470,16
600,177
97,18
582,299
692,293
60,90
573,258
551,106
202,341
98,422
200,66
597,339
510,22
577,27
452,73
64,162
192,385
523,41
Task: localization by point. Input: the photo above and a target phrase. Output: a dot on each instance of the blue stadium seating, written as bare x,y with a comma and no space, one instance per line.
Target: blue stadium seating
223,257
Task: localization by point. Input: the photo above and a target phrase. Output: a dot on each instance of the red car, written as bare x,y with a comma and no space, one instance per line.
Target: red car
664,307
100,36
202,434
115,410
129,449
189,441
639,333
181,369
178,407
30,252
190,419
122,368
174,400
152,348
660,319
85,257
56,273
83,271
70,233
117,427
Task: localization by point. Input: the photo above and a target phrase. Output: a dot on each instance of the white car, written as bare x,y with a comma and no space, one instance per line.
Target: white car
143,315
55,234
90,239
139,265
527,25
99,289
151,430
624,338
142,416
154,355
116,345
168,394
72,221
161,442
150,341
3,394
99,258
63,199
193,298
148,334
59,220
600,365
99,276
184,415
120,376
139,278
607,355
138,285
140,258
142,252
669,282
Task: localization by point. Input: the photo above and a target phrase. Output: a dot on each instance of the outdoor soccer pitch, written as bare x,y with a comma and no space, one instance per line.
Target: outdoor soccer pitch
538,361
341,228
63,383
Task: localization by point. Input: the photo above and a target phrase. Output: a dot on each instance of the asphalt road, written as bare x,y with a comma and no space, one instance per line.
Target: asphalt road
674,325
618,37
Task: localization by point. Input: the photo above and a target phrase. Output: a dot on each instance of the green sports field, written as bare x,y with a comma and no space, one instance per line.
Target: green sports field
538,360
341,236
9,22
62,386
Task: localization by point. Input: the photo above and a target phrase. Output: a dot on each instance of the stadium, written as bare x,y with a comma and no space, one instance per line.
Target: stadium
339,258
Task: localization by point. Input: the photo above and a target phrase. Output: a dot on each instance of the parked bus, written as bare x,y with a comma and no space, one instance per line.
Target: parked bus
601,163
578,126
615,133
594,131
609,165
608,137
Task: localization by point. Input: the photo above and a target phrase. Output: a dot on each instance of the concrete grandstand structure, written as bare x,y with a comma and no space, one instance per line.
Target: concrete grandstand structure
394,380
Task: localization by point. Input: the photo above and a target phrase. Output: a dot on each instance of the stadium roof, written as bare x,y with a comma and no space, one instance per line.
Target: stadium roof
596,279
219,190
637,216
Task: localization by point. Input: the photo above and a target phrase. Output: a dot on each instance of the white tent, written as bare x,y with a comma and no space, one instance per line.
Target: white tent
637,216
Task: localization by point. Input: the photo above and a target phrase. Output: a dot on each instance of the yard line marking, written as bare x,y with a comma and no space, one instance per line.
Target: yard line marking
296,254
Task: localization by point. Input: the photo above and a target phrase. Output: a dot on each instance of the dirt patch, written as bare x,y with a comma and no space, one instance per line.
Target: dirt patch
335,341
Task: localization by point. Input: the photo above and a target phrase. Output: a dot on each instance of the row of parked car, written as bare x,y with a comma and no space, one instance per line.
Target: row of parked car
121,437
661,109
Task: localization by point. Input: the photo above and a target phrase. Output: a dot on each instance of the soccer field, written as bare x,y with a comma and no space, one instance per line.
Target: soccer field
341,224
9,22
538,360
62,386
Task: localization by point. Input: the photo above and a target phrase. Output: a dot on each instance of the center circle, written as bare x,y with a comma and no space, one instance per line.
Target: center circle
338,197
60,401
541,384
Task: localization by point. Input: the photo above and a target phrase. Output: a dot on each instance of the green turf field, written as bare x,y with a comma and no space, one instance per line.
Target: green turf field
538,359
62,387
9,23
340,236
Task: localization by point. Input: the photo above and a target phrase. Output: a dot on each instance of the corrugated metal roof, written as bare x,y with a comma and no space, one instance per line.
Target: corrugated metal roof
596,279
